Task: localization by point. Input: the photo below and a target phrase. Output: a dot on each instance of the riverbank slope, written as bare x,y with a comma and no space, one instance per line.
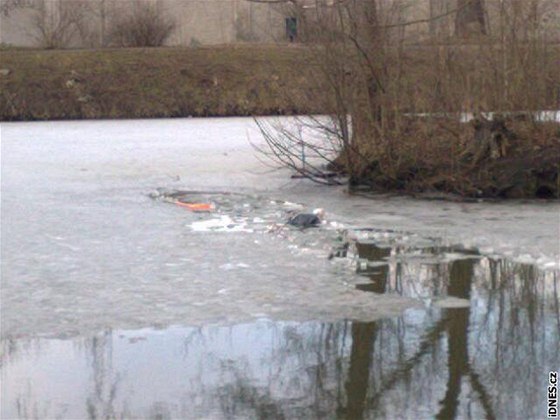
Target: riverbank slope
153,83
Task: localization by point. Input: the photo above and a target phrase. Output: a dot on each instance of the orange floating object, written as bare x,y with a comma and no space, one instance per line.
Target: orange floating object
196,206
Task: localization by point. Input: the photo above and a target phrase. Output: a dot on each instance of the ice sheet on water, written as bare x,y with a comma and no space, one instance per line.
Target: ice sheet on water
539,116
222,223
84,248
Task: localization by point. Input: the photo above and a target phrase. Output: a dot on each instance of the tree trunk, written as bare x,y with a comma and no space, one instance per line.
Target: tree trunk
365,109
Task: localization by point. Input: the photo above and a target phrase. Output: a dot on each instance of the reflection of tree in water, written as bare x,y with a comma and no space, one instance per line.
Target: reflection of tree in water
394,364
490,358
379,362
240,399
299,380
444,363
104,401
517,336
100,403
458,365
28,405
363,337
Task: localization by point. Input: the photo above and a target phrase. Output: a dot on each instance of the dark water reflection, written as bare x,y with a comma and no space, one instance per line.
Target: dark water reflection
488,360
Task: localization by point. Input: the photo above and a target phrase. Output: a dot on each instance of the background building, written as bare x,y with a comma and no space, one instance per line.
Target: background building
87,23
90,23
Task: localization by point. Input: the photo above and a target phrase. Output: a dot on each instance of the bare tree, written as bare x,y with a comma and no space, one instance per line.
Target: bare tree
348,40
56,24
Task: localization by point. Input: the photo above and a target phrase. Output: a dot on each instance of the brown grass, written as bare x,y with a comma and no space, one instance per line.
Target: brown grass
432,155
155,82
226,80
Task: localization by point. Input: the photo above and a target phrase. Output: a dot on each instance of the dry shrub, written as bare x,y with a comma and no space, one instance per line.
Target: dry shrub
436,155
146,25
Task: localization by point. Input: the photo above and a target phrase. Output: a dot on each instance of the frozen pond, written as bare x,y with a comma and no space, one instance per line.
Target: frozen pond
118,303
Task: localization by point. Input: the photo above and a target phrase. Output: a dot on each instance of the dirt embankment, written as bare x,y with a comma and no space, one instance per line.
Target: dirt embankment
505,157
153,83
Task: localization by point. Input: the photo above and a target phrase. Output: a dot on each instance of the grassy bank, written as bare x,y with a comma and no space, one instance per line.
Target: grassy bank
232,81
152,83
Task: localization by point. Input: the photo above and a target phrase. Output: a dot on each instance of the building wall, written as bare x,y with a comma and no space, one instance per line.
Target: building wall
207,22
202,22
223,21
17,29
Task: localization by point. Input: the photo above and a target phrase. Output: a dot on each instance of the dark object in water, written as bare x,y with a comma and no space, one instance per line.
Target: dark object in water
306,220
